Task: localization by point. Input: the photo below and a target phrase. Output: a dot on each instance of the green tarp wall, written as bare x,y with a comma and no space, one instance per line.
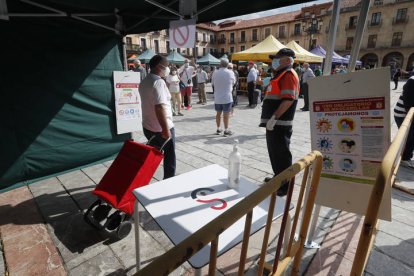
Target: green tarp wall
57,106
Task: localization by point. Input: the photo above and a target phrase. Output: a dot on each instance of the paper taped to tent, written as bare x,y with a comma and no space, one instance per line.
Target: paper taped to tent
57,112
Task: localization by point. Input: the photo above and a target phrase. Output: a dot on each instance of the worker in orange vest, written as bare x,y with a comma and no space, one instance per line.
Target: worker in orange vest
278,111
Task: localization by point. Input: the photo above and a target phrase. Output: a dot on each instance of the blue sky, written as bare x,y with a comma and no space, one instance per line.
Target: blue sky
276,11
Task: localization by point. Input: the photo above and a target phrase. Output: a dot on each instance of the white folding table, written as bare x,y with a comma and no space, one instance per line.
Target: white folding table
183,204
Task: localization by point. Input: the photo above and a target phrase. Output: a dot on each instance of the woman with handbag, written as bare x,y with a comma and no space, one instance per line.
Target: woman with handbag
187,73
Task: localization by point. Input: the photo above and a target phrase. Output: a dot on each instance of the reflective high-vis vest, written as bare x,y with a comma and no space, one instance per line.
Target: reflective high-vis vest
274,92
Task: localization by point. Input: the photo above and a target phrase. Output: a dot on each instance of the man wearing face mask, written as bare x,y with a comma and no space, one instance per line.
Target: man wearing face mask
278,111
186,73
202,78
156,111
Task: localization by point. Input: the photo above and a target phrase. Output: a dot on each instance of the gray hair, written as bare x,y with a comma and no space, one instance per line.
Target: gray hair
224,62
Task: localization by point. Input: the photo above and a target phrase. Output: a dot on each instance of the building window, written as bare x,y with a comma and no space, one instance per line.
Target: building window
143,43
231,49
349,42
204,51
267,32
297,29
157,46
307,14
242,48
323,11
167,45
401,15
254,35
353,20
188,52
128,40
167,32
372,41
376,19
378,2
231,37
282,31
314,42
242,36
204,37
222,50
178,50
396,39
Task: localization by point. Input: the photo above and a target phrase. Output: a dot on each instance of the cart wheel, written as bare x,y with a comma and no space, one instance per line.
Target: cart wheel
89,212
101,212
124,229
113,222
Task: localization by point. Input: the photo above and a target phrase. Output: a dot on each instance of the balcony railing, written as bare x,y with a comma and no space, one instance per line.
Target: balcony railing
396,43
254,38
213,41
298,32
232,41
350,27
373,24
281,35
400,20
242,40
378,2
221,41
371,45
133,47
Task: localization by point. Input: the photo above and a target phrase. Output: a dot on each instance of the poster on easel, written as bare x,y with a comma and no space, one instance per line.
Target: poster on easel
350,125
127,101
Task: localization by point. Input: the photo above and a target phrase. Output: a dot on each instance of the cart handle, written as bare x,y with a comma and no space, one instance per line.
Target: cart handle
162,146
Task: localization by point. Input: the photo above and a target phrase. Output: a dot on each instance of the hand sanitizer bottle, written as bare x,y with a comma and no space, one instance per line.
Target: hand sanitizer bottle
234,167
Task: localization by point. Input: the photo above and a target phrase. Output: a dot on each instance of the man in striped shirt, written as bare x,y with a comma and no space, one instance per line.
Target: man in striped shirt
405,102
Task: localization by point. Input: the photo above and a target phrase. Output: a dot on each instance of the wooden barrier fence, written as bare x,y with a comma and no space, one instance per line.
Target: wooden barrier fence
385,180
210,233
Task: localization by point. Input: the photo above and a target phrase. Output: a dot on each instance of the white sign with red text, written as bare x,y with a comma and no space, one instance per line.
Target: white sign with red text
127,101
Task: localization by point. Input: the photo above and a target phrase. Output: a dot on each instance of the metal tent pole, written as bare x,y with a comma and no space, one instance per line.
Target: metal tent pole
331,38
362,20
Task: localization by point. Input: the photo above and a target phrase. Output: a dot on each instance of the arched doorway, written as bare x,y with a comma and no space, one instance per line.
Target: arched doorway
410,63
393,59
369,60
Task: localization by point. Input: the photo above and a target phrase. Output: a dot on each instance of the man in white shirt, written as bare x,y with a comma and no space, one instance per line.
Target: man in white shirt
156,111
202,78
186,73
223,81
251,83
304,90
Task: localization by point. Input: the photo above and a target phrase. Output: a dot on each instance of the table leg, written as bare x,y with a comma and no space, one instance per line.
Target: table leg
136,224
197,272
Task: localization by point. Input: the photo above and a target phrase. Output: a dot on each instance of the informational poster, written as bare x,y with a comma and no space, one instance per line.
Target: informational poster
127,101
350,125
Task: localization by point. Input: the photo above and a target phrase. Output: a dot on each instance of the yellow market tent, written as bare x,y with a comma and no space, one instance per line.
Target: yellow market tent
302,55
261,51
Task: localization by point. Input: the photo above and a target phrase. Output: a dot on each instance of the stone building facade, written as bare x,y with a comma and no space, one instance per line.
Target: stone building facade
388,38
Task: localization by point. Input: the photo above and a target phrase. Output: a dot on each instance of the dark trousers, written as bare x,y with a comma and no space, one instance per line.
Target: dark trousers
278,141
169,150
250,91
409,146
304,90
396,84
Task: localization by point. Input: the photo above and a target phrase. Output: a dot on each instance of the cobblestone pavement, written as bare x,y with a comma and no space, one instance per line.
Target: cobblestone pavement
61,200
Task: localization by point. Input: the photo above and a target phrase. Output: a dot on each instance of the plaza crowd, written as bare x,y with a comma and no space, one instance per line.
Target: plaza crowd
167,90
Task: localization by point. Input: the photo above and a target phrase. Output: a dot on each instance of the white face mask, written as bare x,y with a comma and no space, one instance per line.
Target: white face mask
174,72
186,65
275,63
165,72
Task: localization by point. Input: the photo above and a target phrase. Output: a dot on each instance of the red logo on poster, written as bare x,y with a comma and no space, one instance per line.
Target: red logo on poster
201,191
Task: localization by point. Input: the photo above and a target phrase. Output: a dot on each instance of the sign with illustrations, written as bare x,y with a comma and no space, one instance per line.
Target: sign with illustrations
350,126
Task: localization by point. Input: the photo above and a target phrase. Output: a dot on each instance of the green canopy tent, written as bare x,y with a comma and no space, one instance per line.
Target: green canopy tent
146,56
57,112
175,58
208,59
224,56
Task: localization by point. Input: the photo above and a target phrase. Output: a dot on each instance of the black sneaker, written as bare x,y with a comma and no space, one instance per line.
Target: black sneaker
228,133
283,189
219,131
